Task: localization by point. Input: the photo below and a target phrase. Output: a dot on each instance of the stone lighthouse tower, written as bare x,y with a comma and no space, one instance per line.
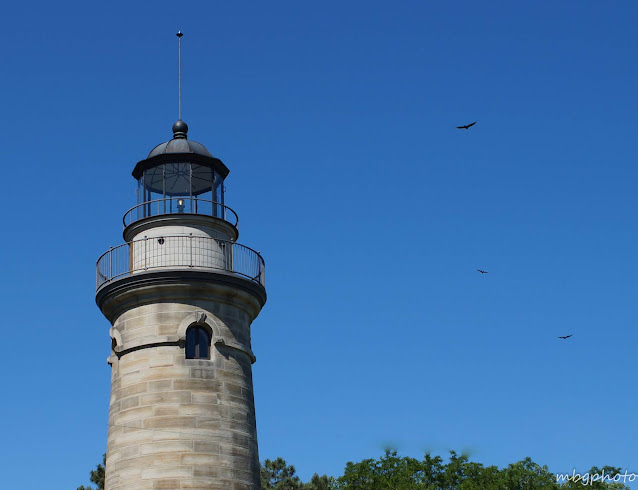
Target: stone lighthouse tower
181,294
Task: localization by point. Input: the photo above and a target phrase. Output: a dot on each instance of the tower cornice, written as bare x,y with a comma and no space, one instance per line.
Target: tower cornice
179,284
195,220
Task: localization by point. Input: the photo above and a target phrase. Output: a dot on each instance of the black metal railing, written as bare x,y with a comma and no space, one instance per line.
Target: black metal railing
179,252
180,205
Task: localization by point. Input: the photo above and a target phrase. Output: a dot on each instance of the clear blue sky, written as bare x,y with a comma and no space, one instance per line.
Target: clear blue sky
337,121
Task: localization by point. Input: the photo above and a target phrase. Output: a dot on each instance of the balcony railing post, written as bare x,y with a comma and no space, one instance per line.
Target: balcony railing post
145,252
110,263
190,241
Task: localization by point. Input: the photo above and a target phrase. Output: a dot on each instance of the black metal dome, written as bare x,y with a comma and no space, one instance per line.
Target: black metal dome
180,150
180,143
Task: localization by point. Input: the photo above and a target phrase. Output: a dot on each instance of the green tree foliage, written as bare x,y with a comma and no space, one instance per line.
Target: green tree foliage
528,475
405,473
97,476
279,475
391,471
323,482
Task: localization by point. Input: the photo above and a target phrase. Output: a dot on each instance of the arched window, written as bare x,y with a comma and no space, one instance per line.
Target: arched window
197,343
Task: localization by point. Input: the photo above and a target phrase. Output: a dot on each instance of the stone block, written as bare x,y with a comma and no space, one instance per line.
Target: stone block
129,402
162,318
173,423
171,446
137,463
207,385
125,416
233,389
198,459
163,473
132,323
213,424
161,361
167,484
207,470
166,459
169,372
131,438
203,484
166,397
165,410
161,385
129,474
125,366
203,397
206,447
167,329
129,452
131,378
129,390
200,410
200,373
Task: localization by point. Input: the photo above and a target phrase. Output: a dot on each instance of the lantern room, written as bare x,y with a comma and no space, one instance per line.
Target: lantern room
179,176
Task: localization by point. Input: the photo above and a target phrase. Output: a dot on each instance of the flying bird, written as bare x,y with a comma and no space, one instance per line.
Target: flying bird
467,126
566,336
482,272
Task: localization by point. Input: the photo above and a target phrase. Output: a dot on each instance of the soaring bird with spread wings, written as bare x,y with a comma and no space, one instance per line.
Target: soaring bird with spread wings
566,336
482,272
467,126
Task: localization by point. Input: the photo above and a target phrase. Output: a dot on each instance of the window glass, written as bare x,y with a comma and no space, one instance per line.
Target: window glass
197,343
191,343
203,343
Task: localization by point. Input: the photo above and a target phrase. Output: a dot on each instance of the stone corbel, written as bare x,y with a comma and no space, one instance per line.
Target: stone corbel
235,346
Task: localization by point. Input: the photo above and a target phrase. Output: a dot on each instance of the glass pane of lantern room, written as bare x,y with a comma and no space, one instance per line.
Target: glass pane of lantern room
153,190
177,185
139,210
202,187
178,179
218,196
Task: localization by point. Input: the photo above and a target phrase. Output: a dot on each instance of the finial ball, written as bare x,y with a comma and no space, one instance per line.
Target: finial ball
179,34
180,127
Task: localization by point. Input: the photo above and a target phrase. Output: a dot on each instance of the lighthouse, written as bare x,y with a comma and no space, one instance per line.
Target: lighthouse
181,294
